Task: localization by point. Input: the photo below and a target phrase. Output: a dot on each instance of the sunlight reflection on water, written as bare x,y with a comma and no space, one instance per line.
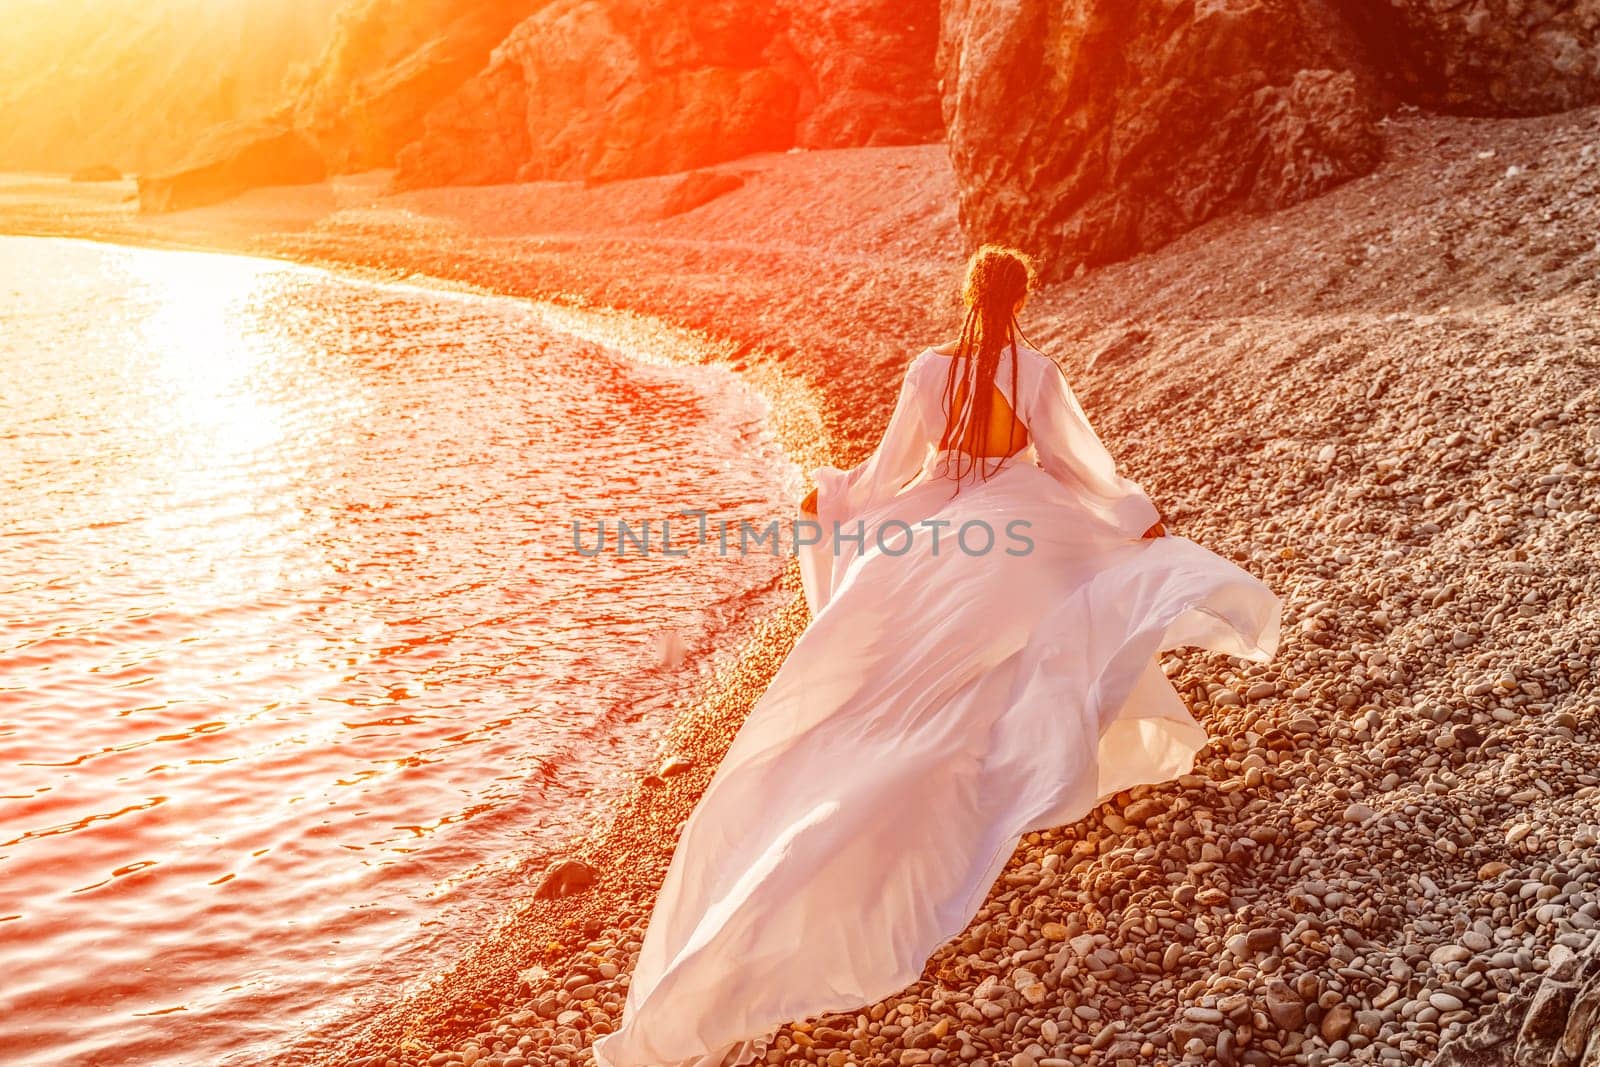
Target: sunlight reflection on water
295,656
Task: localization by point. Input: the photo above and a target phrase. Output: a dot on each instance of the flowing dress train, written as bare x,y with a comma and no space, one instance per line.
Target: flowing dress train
943,702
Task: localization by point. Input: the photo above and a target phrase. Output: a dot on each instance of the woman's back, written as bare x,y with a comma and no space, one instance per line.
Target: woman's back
1003,433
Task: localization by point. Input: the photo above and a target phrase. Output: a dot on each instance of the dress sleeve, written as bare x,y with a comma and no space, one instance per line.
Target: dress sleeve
1071,452
842,495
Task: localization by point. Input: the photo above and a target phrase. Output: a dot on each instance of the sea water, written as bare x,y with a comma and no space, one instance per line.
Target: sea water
299,669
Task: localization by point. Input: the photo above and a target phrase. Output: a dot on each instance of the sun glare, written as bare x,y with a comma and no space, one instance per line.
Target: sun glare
201,324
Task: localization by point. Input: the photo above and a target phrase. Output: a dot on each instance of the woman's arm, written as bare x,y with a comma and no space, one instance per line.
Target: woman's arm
842,494
1071,452
898,457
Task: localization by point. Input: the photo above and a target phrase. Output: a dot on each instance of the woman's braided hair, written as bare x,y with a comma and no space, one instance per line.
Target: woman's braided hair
997,279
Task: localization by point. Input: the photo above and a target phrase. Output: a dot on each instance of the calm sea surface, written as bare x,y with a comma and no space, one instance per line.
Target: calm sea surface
297,661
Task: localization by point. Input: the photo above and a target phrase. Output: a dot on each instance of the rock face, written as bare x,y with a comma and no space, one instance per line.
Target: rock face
1098,129
606,89
1553,1021
868,76
478,135
134,84
1091,131
638,87
235,158
97,172
388,63
1487,57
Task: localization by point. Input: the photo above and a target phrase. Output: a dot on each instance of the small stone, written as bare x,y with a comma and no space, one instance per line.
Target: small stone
1142,811
565,877
1264,939
1187,1031
1027,983
674,765
1359,814
1288,1011
1337,1022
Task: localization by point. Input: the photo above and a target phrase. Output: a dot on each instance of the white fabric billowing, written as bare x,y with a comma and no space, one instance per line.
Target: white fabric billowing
941,704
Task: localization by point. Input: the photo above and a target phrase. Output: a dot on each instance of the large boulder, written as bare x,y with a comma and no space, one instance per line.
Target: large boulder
600,89
234,158
1092,130
605,89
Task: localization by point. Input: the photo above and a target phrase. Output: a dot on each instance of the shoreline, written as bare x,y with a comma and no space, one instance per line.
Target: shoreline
639,339
699,736
1377,400
726,616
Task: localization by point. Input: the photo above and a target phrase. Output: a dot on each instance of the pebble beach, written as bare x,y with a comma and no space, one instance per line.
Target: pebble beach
1383,402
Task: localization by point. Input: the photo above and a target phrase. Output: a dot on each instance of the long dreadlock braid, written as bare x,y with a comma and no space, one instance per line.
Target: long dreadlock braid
997,279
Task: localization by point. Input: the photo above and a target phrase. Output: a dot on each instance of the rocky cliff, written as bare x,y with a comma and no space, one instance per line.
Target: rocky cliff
604,89
387,64
1092,131
233,157
1086,131
137,84
481,91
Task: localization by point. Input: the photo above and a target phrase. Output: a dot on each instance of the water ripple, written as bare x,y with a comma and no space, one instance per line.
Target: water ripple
296,659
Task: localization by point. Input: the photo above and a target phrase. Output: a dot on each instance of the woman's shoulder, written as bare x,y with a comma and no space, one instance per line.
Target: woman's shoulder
951,348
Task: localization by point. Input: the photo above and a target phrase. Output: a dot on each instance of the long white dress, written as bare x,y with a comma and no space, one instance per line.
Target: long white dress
943,702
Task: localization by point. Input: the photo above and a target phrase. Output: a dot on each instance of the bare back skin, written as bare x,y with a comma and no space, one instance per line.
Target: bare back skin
1006,433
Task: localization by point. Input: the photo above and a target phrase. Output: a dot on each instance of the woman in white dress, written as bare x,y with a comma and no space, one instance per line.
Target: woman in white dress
988,602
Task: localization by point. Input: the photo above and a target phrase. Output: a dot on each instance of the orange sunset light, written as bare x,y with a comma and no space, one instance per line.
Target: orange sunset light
834,533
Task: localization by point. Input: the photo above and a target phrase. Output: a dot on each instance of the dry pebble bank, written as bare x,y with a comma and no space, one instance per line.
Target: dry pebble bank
1386,403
